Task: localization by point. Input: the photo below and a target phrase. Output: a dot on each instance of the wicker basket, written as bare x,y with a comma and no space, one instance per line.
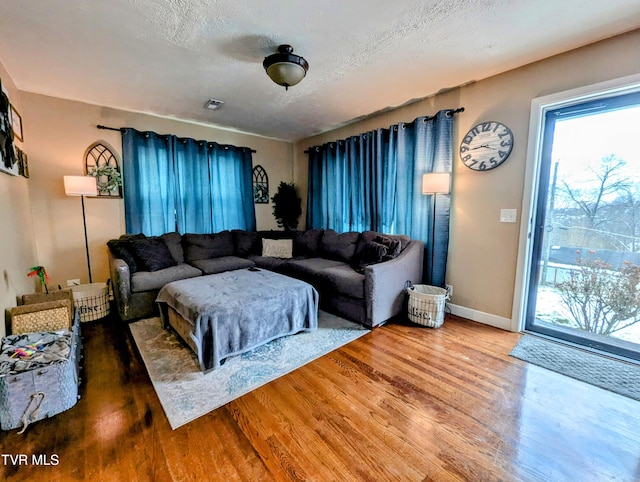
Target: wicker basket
91,300
49,316
426,305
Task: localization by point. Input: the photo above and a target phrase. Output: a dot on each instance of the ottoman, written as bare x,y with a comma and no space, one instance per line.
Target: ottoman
225,314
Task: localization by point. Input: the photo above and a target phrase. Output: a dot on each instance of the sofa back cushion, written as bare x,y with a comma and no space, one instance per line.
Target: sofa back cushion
206,246
152,254
174,243
307,243
245,242
340,247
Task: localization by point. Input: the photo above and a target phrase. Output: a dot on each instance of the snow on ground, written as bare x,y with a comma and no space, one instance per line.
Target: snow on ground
551,308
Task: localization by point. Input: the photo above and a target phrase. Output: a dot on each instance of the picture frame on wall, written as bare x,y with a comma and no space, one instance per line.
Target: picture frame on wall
8,161
23,166
16,124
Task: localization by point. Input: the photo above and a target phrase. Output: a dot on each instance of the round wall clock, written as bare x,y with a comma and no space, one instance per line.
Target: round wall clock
486,146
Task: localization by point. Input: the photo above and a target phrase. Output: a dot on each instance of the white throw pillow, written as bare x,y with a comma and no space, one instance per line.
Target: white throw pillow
277,248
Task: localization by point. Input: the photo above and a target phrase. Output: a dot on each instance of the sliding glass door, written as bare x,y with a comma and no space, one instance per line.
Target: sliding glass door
584,283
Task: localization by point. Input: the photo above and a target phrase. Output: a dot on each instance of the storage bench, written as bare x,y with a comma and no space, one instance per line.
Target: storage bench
43,384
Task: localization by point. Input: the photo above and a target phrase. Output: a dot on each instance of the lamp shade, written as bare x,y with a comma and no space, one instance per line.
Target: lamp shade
80,186
436,183
285,68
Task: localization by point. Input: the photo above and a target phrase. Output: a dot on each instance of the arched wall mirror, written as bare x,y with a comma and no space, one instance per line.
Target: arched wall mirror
102,163
260,185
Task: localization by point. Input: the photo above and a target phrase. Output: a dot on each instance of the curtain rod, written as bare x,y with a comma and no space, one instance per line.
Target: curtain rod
122,129
450,113
109,128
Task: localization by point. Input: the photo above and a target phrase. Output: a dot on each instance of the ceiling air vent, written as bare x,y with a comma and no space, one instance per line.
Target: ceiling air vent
213,104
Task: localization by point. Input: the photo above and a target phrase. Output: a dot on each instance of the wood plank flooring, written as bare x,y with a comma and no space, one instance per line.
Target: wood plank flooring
403,403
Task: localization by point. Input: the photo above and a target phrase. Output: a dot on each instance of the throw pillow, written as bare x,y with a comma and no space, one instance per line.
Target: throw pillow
393,246
121,249
152,254
277,248
372,253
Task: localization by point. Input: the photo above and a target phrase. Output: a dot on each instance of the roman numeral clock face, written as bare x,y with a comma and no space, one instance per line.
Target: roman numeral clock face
486,146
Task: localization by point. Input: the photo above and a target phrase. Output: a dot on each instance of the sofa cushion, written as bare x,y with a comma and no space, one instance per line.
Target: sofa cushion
245,242
307,243
174,243
221,264
152,254
340,247
277,248
206,246
308,269
146,280
343,280
121,249
273,264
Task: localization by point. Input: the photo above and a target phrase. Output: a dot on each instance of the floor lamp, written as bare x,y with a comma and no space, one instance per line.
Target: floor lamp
435,183
82,186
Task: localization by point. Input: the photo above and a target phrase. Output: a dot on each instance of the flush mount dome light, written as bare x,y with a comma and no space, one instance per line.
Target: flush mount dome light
285,68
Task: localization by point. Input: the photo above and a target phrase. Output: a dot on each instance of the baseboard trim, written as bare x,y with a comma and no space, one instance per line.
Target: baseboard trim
480,317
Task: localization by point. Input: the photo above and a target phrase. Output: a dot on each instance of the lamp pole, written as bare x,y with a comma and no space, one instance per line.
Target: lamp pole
86,239
434,183
82,186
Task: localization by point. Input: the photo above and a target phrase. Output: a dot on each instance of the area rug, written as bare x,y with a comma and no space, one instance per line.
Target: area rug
186,393
613,375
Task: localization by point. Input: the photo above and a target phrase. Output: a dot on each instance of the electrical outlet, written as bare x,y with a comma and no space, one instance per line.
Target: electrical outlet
449,289
73,282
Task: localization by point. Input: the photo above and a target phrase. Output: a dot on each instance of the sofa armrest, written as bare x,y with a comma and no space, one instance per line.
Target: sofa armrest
385,283
121,282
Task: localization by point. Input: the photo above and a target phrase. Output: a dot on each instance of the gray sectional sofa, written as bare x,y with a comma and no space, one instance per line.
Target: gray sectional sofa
359,276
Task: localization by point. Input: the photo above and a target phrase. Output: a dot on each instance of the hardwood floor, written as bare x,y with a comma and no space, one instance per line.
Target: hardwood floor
402,403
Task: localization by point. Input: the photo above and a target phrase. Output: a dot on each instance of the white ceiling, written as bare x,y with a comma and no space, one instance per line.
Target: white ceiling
167,57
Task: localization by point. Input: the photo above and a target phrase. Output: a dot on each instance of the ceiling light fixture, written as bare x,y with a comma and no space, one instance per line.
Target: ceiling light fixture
285,68
213,104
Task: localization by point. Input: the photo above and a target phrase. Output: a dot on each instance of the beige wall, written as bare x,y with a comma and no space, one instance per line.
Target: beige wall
17,247
59,132
36,216
483,251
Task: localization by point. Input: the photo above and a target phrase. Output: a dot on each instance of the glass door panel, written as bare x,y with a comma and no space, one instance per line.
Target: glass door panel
585,284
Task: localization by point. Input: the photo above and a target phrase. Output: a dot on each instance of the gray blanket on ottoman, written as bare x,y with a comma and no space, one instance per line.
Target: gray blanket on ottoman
237,311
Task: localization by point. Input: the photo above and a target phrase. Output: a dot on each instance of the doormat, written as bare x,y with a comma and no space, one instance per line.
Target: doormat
608,373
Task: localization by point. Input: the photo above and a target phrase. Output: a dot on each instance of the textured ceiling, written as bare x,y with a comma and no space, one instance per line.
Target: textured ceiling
167,57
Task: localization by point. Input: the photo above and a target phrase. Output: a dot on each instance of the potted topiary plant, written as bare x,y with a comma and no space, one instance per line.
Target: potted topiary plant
287,206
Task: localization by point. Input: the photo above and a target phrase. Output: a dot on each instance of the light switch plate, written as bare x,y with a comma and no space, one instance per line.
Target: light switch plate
508,215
